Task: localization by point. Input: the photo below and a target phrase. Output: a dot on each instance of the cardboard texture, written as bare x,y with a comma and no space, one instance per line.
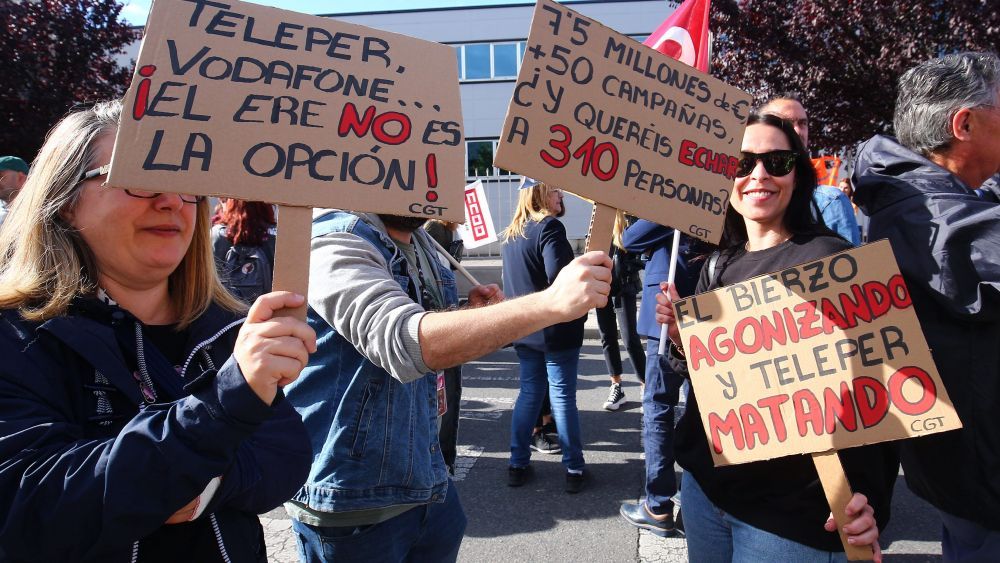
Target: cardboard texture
823,356
264,104
602,224
600,115
291,255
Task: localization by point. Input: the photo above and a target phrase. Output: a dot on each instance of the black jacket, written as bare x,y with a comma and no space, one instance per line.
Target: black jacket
86,474
531,263
946,241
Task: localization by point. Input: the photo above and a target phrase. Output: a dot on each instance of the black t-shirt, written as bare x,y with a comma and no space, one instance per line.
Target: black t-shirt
782,496
169,342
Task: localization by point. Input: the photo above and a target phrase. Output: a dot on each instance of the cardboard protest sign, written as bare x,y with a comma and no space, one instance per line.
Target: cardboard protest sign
478,229
823,356
598,114
240,100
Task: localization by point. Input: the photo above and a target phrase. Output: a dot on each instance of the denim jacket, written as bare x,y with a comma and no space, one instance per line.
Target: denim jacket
375,439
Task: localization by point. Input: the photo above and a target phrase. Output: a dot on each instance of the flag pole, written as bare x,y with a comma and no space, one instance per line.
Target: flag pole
671,274
451,259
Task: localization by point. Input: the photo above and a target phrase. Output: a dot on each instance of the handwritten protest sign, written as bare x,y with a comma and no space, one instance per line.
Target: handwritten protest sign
238,100
823,356
478,229
598,114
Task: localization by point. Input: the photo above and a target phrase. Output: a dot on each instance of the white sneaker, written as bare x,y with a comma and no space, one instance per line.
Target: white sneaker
616,397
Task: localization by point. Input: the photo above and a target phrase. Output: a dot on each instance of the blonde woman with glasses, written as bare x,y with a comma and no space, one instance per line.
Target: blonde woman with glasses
142,416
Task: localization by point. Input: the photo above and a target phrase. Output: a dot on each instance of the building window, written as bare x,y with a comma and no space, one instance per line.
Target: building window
479,159
477,61
505,60
489,61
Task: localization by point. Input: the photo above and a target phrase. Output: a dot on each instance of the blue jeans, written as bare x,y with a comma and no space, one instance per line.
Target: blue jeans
716,537
968,542
559,369
659,402
430,532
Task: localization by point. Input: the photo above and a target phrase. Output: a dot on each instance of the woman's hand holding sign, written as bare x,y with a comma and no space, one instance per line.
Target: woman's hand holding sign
271,351
861,530
665,312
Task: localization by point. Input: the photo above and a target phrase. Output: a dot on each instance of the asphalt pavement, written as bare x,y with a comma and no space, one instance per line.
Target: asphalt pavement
540,522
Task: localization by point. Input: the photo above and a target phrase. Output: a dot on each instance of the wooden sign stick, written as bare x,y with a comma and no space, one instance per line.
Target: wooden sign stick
291,255
602,226
838,494
451,259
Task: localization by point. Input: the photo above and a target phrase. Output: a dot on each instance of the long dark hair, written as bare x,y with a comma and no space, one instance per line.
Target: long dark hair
799,217
247,222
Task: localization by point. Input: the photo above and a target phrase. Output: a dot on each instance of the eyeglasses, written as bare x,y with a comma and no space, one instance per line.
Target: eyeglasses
776,163
142,194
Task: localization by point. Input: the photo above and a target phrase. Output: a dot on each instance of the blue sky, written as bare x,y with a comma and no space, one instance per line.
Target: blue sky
135,11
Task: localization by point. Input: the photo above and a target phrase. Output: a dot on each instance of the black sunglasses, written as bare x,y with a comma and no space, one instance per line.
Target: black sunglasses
142,194
777,163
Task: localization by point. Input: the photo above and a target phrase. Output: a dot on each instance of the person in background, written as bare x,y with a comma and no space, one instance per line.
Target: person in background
444,233
662,387
847,189
243,240
625,284
535,249
833,206
925,193
13,172
143,417
772,510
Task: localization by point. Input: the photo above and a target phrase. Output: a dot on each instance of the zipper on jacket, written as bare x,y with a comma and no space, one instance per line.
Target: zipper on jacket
146,388
218,538
206,342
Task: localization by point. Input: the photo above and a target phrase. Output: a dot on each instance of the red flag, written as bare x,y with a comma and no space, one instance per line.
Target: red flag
684,35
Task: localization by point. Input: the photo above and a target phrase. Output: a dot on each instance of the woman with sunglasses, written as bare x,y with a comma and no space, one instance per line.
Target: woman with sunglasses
142,418
772,510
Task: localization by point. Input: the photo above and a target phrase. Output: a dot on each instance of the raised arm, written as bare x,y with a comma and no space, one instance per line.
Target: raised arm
455,337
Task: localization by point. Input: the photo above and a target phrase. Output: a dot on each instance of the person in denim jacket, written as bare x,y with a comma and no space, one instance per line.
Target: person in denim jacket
378,489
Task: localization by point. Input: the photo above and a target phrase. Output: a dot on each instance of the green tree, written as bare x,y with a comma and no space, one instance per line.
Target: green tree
56,54
842,56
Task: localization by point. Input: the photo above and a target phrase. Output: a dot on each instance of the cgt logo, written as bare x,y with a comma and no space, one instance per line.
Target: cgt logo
426,209
927,424
700,232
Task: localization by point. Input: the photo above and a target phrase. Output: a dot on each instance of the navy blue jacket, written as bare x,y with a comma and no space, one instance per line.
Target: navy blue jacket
946,240
647,237
87,474
531,263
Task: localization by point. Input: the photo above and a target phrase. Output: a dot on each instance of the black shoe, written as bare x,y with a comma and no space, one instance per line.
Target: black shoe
616,397
517,476
545,443
574,482
637,515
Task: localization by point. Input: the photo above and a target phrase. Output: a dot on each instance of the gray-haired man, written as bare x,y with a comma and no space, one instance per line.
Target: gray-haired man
921,193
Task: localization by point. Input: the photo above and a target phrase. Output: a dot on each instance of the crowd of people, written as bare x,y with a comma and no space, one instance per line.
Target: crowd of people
153,402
